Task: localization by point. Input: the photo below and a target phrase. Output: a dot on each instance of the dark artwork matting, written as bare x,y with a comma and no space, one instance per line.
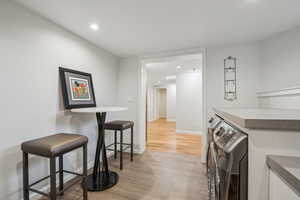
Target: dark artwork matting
77,89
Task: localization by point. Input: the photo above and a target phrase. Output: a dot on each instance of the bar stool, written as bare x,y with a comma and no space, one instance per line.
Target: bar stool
120,126
52,147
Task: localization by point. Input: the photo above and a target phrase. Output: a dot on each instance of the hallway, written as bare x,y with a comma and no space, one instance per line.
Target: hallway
162,137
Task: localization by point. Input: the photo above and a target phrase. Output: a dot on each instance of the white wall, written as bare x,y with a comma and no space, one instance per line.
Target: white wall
189,103
31,51
128,95
247,75
280,61
171,102
280,69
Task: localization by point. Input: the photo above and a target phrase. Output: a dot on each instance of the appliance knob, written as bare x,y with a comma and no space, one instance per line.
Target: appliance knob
220,131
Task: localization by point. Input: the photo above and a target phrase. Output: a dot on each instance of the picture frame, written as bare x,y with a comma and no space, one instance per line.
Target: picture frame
77,88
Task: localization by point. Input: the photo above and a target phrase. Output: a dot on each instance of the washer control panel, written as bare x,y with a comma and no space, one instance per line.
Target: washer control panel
227,138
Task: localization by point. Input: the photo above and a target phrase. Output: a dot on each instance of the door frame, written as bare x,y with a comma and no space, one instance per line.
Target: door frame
142,89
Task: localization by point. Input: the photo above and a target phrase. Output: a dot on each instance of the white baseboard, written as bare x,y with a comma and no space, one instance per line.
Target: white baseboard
199,132
171,120
136,151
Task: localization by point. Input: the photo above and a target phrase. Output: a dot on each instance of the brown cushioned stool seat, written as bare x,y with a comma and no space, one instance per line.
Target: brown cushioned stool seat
54,145
118,125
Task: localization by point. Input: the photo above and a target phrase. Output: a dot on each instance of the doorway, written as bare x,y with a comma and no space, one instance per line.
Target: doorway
162,103
175,105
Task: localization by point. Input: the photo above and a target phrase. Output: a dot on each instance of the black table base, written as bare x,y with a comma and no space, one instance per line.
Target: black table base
101,179
104,184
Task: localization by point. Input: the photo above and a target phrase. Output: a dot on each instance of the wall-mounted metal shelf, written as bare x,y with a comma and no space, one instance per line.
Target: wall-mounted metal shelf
230,79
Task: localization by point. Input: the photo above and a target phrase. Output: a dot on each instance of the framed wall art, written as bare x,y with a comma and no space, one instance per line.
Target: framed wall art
77,89
230,88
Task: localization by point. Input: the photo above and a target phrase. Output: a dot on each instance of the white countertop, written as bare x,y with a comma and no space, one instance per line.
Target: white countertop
99,109
255,118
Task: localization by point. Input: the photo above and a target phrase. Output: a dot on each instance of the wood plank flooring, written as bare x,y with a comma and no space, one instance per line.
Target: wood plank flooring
153,176
170,169
162,137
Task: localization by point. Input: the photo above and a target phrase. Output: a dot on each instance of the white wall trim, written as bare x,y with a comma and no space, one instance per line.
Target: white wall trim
142,90
170,54
204,109
281,92
197,132
171,120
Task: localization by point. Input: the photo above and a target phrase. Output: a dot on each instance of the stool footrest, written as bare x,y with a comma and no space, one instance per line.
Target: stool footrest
74,173
68,187
118,150
42,179
46,177
117,143
39,192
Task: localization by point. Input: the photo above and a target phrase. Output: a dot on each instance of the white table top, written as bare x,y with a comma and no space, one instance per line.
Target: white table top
99,109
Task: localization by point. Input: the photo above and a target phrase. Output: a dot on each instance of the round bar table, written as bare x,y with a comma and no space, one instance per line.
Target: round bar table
101,178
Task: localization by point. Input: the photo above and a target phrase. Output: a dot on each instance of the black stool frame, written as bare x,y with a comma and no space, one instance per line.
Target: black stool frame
121,146
53,194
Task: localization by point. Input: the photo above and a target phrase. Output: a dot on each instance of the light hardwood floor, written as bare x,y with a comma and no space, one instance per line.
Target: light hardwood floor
162,137
170,169
153,176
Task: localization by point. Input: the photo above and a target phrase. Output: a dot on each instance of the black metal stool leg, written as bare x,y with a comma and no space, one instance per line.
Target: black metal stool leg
105,163
84,187
52,178
25,177
98,149
116,140
61,174
121,149
131,145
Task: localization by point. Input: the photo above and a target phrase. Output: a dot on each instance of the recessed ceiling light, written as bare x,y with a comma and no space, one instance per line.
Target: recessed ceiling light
178,67
94,27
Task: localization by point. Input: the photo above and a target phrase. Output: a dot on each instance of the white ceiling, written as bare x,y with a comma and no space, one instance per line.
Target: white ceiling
136,27
158,71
